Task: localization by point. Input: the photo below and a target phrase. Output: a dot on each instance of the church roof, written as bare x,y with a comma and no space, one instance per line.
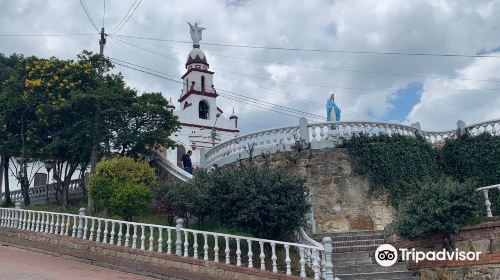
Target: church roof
196,56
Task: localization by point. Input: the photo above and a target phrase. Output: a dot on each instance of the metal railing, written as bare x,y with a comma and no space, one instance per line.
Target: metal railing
183,242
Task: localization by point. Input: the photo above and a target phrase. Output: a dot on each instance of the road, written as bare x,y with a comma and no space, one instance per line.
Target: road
21,264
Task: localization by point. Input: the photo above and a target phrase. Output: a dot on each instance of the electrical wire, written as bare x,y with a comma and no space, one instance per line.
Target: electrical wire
389,74
126,18
142,48
47,35
87,13
237,97
322,50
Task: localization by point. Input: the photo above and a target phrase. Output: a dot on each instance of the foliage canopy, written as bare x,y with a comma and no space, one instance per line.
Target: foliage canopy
267,201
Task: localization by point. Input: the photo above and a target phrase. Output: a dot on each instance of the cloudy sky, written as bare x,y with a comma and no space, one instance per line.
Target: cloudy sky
434,90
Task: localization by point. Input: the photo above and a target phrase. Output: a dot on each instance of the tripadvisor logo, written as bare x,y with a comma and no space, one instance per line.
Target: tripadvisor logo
387,255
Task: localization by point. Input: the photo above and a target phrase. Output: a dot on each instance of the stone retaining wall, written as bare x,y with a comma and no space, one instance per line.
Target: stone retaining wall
484,238
340,198
153,264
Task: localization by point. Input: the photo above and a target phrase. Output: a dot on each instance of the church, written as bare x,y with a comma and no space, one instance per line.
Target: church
203,123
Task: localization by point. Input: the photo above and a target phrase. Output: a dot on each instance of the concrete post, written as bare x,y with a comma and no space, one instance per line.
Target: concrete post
18,214
303,131
80,222
418,127
328,265
461,127
203,158
178,235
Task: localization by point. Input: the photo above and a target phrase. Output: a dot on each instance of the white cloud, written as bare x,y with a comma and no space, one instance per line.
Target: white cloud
453,26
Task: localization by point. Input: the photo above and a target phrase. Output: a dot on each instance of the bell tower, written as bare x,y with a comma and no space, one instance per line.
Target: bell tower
198,91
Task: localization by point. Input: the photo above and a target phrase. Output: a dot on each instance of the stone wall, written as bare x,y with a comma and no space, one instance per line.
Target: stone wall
340,198
484,238
159,265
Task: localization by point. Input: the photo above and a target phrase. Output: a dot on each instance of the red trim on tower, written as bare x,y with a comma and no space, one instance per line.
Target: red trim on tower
198,70
195,92
209,127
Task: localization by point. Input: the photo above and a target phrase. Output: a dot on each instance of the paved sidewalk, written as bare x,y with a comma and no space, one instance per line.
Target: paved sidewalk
16,263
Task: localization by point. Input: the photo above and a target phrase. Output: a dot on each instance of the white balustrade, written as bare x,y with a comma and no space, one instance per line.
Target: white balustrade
279,138
88,227
487,201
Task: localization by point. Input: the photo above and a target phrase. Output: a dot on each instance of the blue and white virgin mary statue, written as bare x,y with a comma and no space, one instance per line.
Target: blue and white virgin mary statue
331,107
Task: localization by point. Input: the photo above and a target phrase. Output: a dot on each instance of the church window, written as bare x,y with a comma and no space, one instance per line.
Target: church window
203,83
203,110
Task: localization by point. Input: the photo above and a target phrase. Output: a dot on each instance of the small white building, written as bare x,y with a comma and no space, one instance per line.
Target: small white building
203,123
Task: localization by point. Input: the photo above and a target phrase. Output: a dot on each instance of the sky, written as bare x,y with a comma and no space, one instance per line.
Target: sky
435,91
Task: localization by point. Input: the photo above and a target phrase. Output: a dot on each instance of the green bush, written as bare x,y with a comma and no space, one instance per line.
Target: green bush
261,199
130,200
393,162
444,205
121,183
473,157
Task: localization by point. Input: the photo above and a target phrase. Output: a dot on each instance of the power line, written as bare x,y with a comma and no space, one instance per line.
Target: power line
47,35
142,48
125,16
323,50
130,14
240,98
236,95
389,74
150,69
338,87
85,9
326,86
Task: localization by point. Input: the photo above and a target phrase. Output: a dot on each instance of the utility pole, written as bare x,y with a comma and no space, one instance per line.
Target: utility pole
93,158
213,134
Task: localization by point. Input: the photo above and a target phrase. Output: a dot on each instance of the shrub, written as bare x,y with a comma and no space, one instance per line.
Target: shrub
444,205
130,200
117,179
473,157
261,199
394,161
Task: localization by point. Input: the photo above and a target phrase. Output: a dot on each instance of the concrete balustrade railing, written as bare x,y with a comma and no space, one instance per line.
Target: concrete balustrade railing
487,201
327,134
188,243
42,194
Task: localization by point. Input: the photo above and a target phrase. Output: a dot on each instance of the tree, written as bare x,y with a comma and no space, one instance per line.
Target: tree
444,205
130,199
122,186
264,200
14,118
144,126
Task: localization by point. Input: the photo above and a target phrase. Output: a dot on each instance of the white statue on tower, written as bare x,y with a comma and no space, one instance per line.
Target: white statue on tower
196,34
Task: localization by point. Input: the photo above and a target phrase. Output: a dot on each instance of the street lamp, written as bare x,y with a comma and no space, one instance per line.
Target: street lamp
214,133
48,166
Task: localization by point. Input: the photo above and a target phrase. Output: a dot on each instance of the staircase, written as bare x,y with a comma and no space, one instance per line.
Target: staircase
353,257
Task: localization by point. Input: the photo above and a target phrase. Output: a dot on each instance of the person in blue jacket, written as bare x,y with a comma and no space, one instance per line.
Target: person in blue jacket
186,162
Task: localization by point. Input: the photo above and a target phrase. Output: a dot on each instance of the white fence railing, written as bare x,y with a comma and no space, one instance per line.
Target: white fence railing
329,132
263,254
172,168
41,194
487,201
